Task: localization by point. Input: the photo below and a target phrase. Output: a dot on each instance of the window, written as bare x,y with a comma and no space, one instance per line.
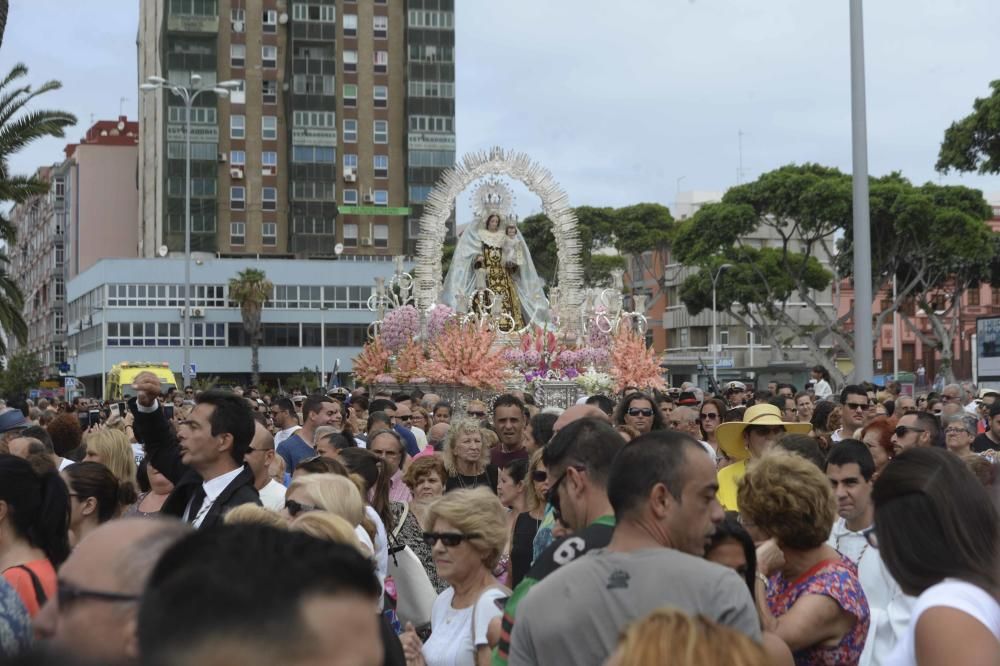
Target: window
441,159
59,187
238,95
237,233
200,223
237,127
270,20
269,234
314,13
269,92
418,193
350,61
350,25
381,131
351,197
380,24
237,197
194,7
269,162
419,18
381,96
414,227
381,62
350,235
380,235
269,198
685,337
200,187
314,154
351,130
350,162
325,119
199,151
350,94
312,226
313,190
381,166
430,53
200,115
313,84
269,127
238,14
974,296
432,124
723,337
237,55
381,197
269,57
442,89
996,295
237,157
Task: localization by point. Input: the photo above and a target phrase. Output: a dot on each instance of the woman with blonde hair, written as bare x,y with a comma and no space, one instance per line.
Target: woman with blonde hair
466,457
329,527
112,449
328,492
251,514
668,636
467,534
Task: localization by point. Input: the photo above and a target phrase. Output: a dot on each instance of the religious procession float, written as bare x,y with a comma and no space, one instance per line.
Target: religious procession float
491,324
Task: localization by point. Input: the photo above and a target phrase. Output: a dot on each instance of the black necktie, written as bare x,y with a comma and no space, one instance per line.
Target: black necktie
196,501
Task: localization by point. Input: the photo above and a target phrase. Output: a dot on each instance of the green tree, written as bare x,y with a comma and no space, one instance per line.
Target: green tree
251,289
23,371
305,379
973,143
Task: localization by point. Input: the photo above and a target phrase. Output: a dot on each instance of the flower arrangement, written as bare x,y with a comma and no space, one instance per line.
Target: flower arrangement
399,327
593,382
633,364
463,354
410,362
437,318
373,362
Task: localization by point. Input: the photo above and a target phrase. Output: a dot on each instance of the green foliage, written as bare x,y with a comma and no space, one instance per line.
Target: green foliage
601,265
306,379
642,227
973,143
447,254
23,371
251,289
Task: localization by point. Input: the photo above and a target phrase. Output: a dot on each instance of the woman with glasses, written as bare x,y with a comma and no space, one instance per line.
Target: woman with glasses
466,457
938,532
638,410
959,431
421,419
710,418
467,535
335,494
808,594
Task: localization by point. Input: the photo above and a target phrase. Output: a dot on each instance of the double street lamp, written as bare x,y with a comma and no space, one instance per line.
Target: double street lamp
715,315
188,95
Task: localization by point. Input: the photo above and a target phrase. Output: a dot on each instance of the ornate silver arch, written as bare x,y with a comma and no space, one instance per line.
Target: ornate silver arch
555,205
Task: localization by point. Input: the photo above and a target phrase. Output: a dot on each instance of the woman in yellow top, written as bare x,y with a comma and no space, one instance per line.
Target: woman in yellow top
747,440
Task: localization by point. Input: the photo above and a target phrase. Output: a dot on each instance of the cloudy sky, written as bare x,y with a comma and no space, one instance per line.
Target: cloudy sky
621,100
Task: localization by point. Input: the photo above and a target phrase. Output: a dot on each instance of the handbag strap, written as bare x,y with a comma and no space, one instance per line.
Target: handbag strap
402,519
40,595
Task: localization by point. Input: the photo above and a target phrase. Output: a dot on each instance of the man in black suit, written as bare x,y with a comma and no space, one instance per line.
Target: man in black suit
204,460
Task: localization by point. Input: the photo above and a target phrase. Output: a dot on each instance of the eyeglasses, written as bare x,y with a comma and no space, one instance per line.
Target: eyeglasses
856,406
449,539
902,431
640,411
295,508
67,594
871,536
956,431
405,417
253,450
552,497
540,476
476,415
710,416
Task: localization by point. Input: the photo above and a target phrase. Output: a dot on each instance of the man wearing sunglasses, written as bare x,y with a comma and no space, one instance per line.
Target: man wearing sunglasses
663,490
94,614
853,411
915,430
578,459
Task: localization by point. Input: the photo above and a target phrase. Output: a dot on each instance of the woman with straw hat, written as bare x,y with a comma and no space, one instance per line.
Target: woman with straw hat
749,439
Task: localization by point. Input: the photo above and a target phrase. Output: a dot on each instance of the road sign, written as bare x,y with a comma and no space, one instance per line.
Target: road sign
64,367
191,371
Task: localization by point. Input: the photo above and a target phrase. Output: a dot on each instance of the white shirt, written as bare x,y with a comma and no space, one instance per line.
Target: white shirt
381,545
66,462
282,435
708,449
272,496
213,488
420,436
949,593
890,608
821,389
451,642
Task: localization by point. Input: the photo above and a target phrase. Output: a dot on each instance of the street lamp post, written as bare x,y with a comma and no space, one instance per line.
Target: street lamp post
715,315
188,95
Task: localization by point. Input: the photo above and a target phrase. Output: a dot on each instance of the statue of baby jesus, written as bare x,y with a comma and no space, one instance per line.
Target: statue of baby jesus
512,255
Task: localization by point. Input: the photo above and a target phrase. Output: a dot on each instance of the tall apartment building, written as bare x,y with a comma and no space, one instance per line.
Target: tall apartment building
88,214
343,120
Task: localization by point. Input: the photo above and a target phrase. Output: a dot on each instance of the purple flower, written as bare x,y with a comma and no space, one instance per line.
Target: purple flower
532,358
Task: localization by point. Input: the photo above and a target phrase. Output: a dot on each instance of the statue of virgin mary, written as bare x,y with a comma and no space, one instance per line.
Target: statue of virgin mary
491,255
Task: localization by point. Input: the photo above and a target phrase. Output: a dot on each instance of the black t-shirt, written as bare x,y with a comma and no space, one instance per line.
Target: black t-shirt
521,546
984,443
487,479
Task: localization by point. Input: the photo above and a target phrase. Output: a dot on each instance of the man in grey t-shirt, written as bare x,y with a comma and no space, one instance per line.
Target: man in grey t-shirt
663,490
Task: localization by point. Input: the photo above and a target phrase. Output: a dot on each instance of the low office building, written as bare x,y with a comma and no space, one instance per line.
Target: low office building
318,315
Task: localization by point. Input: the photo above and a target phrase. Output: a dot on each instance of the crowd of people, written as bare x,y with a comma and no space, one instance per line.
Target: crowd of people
752,527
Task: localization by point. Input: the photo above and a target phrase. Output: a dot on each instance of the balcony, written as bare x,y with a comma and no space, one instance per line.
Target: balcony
192,24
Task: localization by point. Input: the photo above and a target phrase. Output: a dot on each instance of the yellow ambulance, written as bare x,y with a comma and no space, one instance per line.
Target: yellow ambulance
122,375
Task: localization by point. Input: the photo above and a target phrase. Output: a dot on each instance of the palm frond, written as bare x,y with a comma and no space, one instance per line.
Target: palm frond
34,125
4,7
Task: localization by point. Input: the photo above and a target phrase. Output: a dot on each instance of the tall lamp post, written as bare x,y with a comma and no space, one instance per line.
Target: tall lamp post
715,327
188,95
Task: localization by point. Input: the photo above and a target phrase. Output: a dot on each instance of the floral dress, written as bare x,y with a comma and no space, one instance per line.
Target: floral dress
835,578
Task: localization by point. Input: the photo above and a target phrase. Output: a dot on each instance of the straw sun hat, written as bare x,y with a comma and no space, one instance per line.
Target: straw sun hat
730,434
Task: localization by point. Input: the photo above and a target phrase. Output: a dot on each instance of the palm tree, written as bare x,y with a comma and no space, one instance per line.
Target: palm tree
18,128
251,289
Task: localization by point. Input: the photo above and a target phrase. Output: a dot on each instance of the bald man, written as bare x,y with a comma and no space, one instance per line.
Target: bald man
259,457
107,570
577,412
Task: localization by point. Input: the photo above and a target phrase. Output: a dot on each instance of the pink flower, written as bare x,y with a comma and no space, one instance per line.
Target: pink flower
399,327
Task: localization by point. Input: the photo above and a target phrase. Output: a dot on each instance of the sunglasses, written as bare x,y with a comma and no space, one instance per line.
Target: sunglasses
552,497
449,539
67,594
476,415
405,418
902,431
710,416
640,411
295,508
857,406
540,476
